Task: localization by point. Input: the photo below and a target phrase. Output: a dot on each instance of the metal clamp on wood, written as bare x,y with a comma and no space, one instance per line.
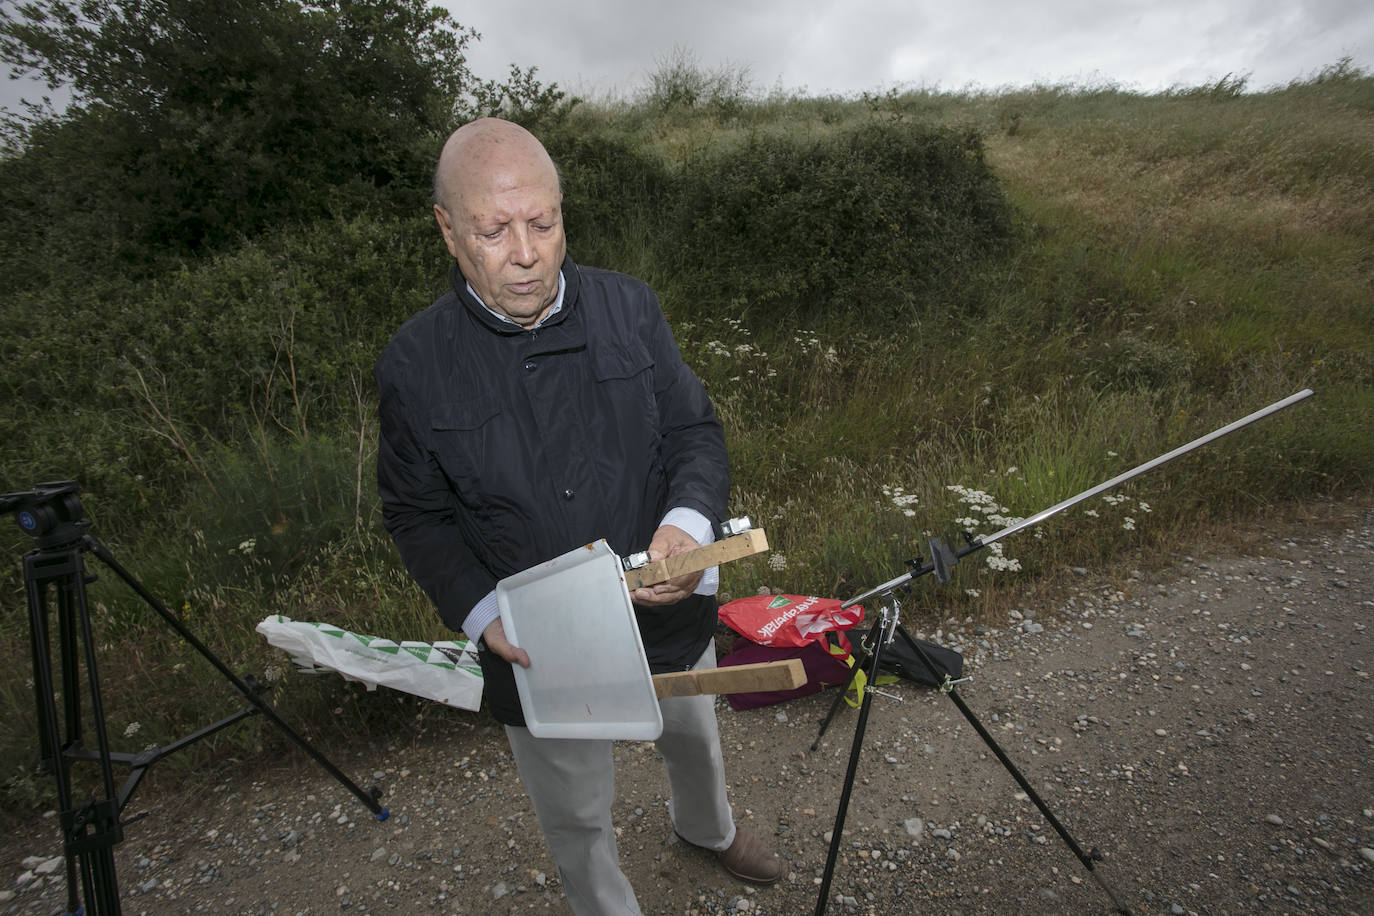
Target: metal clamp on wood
733,526
732,548
726,529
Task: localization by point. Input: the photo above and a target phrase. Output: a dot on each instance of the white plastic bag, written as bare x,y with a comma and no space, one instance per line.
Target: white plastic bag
446,672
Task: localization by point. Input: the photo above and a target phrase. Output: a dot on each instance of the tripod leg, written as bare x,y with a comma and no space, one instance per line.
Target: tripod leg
39,578
839,697
105,828
76,609
855,748
1089,862
90,831
262,706
49,739
70,659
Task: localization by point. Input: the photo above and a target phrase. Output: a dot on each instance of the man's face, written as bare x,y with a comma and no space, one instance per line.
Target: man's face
504,225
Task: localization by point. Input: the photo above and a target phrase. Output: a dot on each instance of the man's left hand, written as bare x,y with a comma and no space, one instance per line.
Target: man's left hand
669,541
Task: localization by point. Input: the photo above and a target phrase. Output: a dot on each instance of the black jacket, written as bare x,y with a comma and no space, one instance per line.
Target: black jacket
501,448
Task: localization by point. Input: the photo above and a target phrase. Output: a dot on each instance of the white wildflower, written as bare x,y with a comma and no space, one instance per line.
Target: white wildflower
132,729
972,592
997,560
1128,523
777,562
1091,513
902,500
1143,506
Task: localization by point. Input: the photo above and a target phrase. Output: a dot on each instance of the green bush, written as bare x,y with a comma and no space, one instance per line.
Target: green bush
128,385
609,187
875,221
196,125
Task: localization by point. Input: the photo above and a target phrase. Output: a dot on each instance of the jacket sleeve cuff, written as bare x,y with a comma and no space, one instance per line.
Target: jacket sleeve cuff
481,616
699,527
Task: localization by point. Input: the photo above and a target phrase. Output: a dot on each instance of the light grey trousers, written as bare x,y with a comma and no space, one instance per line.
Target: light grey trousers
572,785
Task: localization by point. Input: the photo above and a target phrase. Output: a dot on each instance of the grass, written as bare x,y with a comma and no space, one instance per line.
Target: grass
1183,259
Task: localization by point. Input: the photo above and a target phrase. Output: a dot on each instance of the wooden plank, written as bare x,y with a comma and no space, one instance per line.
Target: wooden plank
788,674
697,559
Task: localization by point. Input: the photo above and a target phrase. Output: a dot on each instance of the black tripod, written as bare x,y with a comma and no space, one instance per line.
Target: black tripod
870,650
942,560
52,515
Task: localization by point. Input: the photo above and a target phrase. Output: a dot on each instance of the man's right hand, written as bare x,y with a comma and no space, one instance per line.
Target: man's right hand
495,638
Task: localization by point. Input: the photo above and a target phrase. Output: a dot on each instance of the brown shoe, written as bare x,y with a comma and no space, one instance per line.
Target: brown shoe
750,860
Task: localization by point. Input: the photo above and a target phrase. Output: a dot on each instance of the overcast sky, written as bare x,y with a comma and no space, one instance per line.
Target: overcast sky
596,47
600,48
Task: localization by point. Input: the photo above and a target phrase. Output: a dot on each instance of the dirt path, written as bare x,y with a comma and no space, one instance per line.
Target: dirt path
1207,727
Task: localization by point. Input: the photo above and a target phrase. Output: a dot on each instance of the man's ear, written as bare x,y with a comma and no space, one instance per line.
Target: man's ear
446,227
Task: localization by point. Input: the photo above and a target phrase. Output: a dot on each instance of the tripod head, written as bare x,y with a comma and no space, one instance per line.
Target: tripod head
50,513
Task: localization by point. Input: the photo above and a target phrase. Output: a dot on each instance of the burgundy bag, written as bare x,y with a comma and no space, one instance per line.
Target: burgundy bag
822,668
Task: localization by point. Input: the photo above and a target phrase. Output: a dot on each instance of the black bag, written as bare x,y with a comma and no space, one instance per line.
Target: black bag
899,658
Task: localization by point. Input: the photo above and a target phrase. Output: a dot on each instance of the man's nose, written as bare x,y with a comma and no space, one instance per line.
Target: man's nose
523,251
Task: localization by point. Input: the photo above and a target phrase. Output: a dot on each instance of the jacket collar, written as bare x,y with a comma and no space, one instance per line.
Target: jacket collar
571,285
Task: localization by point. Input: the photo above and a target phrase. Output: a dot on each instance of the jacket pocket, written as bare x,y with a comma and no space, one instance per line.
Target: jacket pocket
625,379
612,362
465,440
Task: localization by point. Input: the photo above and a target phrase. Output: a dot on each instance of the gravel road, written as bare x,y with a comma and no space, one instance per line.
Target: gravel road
1206,726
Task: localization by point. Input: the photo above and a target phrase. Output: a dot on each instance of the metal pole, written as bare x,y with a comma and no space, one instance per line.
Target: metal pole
1147,466
1088,494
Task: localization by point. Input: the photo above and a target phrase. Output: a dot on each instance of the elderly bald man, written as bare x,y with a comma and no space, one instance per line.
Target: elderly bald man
536,406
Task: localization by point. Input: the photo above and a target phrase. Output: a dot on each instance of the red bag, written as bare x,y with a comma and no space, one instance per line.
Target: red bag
788,620
776,627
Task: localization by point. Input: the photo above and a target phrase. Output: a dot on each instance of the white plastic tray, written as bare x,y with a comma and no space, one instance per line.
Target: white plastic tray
588,676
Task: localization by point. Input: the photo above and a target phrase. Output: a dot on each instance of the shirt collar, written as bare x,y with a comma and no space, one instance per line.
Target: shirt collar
553,309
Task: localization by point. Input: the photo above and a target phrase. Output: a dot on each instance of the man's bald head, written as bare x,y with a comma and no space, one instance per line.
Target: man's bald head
474,149
499,206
